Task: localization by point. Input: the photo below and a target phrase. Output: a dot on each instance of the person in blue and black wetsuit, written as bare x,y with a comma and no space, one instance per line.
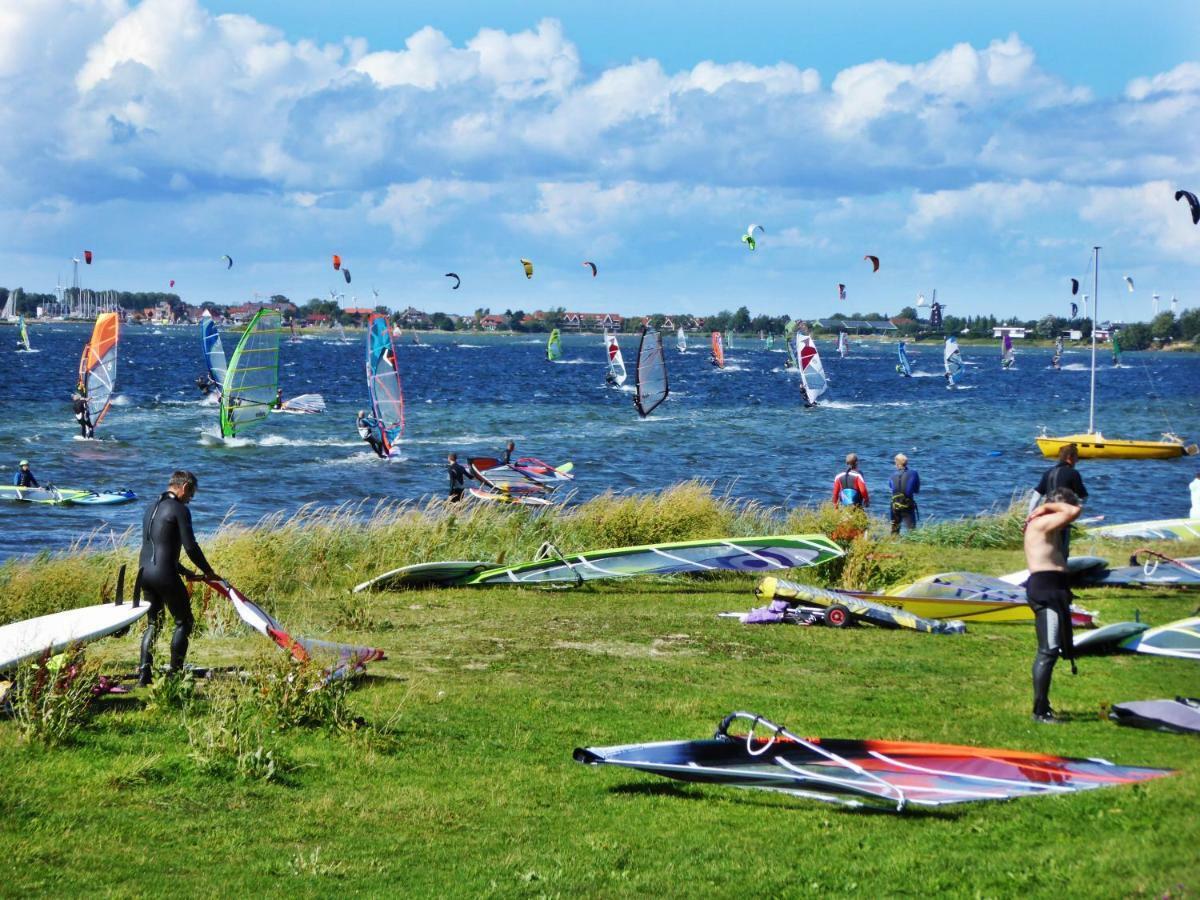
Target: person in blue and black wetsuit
24,476
166,529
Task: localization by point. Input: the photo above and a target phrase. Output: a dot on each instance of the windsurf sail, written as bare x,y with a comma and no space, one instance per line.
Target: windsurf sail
252,377
718,350
554,346
681,340
812,373
789,332
1181,715
843,606
1058,351
349,659
1178,639
651,373
340,332
23,333
769,342
98,365
756,555
903,366
6,313
383,383
729,339
952,357
842,345
1116,347
214,352
887,775
1007,355
616,364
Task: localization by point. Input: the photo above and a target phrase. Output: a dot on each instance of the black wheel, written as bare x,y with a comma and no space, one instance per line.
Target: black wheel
837,616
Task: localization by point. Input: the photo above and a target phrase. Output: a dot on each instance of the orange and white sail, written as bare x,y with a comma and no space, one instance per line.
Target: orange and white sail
718,350
98,365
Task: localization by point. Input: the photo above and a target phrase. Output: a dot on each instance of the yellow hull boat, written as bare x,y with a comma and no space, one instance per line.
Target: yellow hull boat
1096,446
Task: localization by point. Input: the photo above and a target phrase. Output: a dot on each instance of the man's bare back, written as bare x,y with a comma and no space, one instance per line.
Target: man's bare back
1043,541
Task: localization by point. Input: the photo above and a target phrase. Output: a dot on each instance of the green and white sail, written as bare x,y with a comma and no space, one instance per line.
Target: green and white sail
23,334
253,374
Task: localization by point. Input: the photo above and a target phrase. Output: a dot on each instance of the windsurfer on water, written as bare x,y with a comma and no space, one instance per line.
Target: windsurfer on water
205,384
369,430
278,404
83,414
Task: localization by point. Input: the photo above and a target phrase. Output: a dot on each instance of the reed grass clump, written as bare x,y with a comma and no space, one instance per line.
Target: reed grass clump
995,531
51,697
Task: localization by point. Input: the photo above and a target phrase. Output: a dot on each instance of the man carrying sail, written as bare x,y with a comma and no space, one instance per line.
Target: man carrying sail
166,529
1049,593
458,476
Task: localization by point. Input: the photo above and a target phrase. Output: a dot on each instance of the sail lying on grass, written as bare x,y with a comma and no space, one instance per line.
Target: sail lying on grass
98,365
383,382
812,373
651,374
616,364
248,392
885,775
214,352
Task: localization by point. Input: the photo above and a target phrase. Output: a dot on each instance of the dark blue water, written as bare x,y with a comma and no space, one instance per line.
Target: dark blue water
742,428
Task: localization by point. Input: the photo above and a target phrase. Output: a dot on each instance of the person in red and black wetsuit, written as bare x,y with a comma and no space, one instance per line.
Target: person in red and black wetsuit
850,487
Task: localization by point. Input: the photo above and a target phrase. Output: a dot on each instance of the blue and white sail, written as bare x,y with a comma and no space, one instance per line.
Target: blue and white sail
952,357
681,340
903,366
214,353
842,346
812,373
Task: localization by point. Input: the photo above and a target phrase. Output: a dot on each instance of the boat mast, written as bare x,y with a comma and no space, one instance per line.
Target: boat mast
1095,321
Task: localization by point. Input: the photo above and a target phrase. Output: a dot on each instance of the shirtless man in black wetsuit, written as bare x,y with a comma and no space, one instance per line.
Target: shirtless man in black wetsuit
1049,593
166,528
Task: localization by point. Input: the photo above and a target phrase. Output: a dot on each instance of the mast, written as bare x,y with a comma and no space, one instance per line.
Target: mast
1095,320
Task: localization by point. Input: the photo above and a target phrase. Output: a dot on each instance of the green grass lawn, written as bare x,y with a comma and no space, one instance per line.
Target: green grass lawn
462,783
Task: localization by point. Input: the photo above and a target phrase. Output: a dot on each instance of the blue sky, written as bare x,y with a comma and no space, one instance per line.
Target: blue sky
975,149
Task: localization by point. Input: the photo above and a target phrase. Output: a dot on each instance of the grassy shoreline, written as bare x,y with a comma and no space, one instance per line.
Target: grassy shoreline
454,777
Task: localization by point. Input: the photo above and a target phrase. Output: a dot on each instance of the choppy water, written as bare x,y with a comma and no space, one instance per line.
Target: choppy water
743,428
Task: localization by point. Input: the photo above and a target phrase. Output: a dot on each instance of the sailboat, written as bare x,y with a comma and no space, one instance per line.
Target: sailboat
812,373
616,374
23,345
953,361
98,366
1092,444
251,378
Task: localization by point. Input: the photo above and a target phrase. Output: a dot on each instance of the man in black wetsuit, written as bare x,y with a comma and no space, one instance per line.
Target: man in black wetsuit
278,404
205,384
369,429
1049,593
24,476
83,415
458,475
166,528
508,453
1062,475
